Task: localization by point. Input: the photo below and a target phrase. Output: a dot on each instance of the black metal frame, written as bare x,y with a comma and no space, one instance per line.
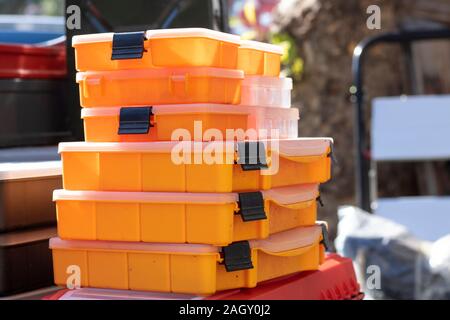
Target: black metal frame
362,158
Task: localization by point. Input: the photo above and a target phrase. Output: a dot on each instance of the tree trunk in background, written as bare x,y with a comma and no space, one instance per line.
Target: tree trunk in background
326,33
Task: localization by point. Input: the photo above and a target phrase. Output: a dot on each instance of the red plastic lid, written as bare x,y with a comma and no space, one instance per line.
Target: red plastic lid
29,61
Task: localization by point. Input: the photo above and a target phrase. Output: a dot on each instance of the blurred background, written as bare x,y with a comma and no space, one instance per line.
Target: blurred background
319,38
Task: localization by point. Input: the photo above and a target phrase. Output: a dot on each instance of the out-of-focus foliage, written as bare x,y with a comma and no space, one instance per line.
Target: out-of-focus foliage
292,63
252,20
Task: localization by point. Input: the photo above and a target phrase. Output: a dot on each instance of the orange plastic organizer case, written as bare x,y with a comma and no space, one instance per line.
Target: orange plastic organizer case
185,166
182,217
188,268
191,122
156,48
159,86
257,58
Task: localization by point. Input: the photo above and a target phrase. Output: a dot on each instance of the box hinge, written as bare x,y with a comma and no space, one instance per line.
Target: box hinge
252,155
135,120
237,256
128,45
325,237
251,206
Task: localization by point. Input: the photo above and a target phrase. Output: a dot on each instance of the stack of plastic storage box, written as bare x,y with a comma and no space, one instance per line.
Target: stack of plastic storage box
192,178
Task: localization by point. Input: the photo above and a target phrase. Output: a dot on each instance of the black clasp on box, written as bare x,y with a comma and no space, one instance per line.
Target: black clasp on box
252,155
135,120
251,206
325,237
237,256
128,45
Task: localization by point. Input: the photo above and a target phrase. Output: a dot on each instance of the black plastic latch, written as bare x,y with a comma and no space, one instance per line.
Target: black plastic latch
128,45
251,206
325,237
252,155
135,120
237,256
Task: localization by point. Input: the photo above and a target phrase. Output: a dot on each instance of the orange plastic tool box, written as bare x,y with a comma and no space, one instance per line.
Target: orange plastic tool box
159,86
156,48
258,58
185,166
168,122
188,268
182,217
335,280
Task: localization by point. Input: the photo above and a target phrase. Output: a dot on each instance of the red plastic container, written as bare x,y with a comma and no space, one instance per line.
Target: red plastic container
32,62
335,280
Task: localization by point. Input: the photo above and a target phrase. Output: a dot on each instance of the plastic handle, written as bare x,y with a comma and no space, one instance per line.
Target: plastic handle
290,243
295,206
289,253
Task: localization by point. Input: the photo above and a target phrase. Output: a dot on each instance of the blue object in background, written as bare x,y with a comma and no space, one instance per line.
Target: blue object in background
27,37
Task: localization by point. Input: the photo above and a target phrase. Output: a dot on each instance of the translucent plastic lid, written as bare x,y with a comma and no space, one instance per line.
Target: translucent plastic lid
196,109
146,197
145,147
276,243
281,83
192,33
261,46
111,294
24,170
58,243
173,73
284,195
162,33
286,147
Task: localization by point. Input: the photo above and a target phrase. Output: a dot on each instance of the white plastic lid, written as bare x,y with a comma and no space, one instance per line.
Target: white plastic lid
145,197
24,170
261,46
281,83
162,33
170,109
299,147
195,109
28,236
173,73
279,242
192,33
58,243
284,195
144,147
